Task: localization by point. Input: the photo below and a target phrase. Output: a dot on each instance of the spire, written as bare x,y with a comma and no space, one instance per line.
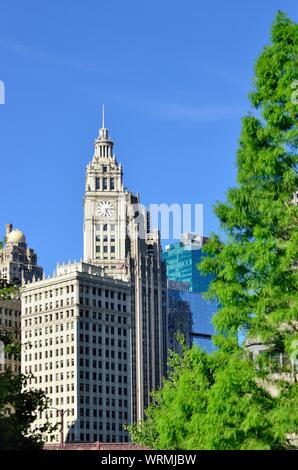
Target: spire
103,143
103,133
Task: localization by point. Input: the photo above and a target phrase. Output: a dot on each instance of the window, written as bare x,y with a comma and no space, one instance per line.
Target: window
112,184
104,184
96,184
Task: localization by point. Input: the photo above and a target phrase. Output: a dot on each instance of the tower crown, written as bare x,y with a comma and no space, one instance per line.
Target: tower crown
103,145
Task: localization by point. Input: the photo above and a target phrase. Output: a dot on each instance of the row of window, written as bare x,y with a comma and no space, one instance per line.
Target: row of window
98,327
105,238
83,338
105,227
105,249
48,317
108,342
104,184
101,426
49,342
90,438
98,292
48,354
99,304
85,375
95,339
11,323
9,312
50,305
99,413
49,293
49,390
11,365
107,353
106,316
108,378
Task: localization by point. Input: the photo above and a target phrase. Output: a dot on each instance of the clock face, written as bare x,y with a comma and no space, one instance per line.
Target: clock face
105,209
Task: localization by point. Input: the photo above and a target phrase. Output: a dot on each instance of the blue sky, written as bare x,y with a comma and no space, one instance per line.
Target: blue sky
174,78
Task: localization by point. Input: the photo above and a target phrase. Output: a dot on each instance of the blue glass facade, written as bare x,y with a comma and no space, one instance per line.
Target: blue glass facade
189,312
182,261
190,307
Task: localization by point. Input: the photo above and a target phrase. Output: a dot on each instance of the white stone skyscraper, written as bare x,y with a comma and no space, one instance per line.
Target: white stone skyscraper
76,341
94,333
117,237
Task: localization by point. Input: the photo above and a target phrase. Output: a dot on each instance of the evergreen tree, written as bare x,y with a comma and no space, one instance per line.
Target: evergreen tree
225,400
256,279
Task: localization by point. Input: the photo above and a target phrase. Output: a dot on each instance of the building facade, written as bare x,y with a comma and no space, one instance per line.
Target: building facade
18,262
10,324
182,259
118,237
76,341
189,313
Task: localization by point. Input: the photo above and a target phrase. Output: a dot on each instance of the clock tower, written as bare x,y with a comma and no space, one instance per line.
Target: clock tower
105,212
118,238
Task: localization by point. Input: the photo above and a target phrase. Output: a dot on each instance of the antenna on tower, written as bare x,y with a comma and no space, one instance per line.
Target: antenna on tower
103,116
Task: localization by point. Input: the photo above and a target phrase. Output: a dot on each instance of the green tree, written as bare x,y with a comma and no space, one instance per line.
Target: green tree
213,402
19,408
256,279
226,401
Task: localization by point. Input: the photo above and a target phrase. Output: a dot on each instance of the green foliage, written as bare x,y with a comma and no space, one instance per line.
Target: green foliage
11,343
224,400
7,291
18,411
256,282
19,407
213,402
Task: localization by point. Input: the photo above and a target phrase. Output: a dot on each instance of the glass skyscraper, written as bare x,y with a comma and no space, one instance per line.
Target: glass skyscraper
182,259
189,313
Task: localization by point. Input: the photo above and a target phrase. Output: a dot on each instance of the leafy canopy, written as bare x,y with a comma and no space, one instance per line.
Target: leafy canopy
225,400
